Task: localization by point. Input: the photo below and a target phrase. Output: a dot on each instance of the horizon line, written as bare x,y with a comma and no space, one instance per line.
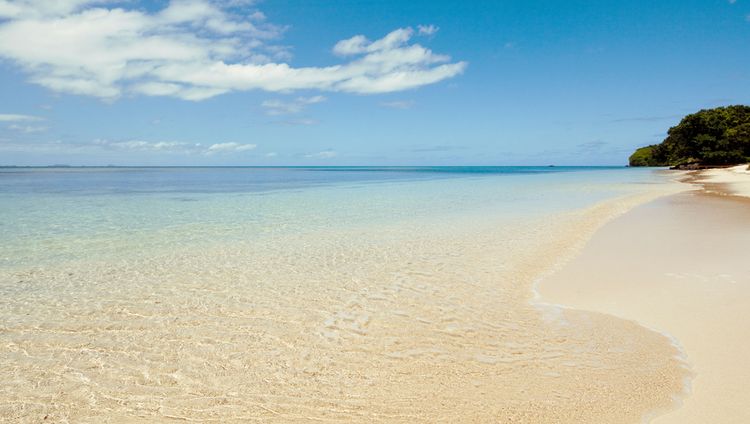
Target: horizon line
63,166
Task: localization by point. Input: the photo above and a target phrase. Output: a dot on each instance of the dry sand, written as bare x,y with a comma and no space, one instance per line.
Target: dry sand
735,180
678,265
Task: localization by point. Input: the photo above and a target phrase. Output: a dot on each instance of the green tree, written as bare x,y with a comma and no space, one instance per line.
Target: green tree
719,136
645,157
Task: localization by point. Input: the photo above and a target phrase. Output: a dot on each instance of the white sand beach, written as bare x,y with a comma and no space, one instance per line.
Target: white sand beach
407,212
734,180
679,265
428,319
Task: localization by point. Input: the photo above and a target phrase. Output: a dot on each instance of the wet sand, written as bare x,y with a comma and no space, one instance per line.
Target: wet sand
678,265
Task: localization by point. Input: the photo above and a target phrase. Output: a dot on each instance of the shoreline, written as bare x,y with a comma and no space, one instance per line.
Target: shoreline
693,295
413,311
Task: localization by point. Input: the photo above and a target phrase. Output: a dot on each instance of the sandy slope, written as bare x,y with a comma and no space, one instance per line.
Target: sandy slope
678,265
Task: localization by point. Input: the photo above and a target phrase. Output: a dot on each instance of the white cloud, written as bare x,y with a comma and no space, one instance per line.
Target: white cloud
20,123
285,107
398,104
18,118
147,146
133,146
427,29
194,50
173,146
229,147
355,45
28,129
326,154
271,154
9,10
360,44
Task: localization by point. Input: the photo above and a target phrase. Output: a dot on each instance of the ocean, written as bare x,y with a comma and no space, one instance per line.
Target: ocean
52,214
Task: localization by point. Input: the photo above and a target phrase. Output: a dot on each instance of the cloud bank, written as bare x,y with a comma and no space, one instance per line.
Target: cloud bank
12,117
20,123
172,147
194,50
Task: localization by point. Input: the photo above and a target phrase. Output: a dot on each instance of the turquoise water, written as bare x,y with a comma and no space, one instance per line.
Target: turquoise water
58,214
313,294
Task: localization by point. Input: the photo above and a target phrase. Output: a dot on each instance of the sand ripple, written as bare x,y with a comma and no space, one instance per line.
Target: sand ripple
368,325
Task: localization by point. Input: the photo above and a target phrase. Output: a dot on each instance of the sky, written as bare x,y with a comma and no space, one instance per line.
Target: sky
360,82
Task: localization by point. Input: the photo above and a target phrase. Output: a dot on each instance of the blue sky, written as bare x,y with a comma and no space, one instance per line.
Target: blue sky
235,82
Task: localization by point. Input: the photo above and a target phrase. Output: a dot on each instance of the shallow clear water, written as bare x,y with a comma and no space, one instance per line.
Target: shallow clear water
334,294
68,213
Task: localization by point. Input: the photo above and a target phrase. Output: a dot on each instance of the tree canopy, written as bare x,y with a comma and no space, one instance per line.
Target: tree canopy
710,137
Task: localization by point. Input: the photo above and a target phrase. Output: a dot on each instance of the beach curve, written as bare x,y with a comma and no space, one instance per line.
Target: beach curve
657,266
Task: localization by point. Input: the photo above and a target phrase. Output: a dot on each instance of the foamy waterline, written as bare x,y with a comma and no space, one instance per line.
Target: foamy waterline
598,216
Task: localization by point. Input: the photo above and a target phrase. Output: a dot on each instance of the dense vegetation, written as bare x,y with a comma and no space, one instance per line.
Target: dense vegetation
711,137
